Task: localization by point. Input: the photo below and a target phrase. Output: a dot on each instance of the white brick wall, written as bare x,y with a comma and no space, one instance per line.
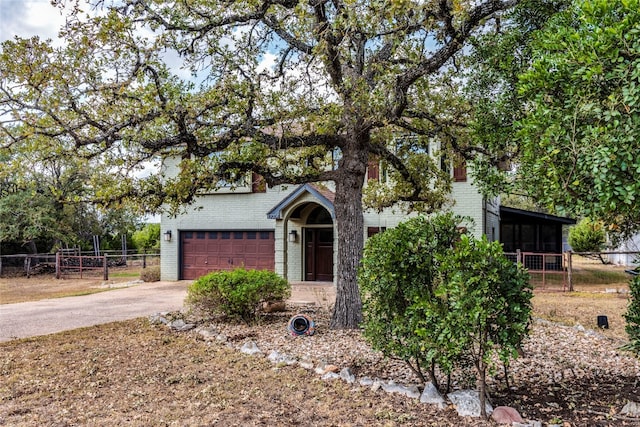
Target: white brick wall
248,211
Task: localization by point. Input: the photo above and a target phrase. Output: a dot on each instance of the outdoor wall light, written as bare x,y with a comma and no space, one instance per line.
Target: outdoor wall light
293,236
167,236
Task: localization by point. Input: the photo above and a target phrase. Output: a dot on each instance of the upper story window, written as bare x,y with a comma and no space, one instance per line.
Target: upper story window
456,168
459,169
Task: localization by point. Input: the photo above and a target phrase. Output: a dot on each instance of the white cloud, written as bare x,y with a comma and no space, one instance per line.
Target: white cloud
268,62
26,18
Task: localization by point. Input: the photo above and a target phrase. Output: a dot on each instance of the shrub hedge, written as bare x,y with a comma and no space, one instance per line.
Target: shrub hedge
238,294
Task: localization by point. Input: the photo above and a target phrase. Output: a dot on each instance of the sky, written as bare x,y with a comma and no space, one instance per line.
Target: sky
26,18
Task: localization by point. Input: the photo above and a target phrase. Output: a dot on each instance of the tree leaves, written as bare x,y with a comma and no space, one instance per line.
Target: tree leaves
582,90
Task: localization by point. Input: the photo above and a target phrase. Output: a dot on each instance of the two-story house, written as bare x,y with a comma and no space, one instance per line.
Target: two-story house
288,228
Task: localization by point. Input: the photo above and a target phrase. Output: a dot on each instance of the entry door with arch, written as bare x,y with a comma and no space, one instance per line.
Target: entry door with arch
319,254
318,241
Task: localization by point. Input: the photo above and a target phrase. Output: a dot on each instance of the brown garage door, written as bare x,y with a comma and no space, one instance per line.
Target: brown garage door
206,251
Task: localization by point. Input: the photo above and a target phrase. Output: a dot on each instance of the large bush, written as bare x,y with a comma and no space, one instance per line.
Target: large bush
632,316
400,266
488,301
433,295
238,293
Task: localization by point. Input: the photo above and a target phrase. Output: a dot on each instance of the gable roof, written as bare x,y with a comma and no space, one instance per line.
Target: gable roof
324,197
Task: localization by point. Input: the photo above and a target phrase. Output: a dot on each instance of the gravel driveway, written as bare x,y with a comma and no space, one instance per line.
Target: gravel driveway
48,316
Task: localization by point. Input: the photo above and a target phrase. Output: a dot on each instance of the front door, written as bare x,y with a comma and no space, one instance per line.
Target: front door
318,254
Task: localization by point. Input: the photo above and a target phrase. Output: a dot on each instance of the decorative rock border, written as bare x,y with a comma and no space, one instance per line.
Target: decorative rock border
466,402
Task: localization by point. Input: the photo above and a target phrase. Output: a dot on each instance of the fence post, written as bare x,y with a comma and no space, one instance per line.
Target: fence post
518,256
144,258
27,266
570,270
58,265
105,276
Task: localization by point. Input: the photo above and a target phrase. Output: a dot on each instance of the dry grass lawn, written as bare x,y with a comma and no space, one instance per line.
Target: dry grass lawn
21,288
135,374
130,373
572,308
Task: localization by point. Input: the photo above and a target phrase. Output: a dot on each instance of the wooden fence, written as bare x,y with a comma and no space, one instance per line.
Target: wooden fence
79,264
72,263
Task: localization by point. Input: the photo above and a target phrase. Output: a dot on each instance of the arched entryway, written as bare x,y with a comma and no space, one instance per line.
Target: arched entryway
318,246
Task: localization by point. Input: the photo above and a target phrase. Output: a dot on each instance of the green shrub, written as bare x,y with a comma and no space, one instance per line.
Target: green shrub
238,293
148,237
632,317
399,267
435,296
587,236
150,274
488,302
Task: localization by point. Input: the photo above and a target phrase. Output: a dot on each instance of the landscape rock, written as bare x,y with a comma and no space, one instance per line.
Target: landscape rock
377,385
277,357
250,348
467,403
158,319
331,368
207,333
432,396
306,364
411,391
181,326
631,409
365,381
506,415
347,376
527,424
331,376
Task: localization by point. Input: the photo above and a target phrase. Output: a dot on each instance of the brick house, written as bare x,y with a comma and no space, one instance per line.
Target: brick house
288,228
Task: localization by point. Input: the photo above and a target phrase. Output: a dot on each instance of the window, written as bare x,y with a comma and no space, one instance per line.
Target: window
258,184
319,216
371,231
459,169
373,169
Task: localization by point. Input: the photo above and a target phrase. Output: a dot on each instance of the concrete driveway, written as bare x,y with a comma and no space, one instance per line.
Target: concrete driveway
28,319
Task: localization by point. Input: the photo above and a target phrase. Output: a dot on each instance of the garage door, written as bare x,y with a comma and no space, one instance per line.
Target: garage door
206,251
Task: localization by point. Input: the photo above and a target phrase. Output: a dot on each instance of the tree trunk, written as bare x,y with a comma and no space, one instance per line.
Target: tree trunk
347,313
482,389
31,247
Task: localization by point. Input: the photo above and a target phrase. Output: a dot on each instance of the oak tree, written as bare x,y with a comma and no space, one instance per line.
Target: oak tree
295,91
